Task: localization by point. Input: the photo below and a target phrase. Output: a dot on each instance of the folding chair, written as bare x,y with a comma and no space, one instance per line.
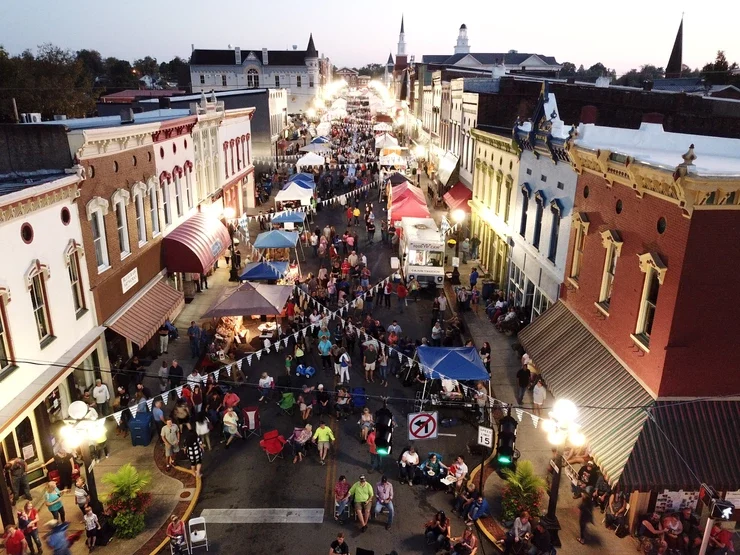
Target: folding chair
251,425
346,510
197,533
287,403
272,444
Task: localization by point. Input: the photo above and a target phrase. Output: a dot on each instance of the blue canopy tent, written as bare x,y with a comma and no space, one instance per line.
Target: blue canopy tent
264,271
455,363
303,176
297,217
301,182
321,140
279,239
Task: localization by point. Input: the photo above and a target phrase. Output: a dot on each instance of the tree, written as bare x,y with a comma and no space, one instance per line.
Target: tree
719,71
147,66
176,70
120,74
523,491
93,62
373,70
568,70
635,77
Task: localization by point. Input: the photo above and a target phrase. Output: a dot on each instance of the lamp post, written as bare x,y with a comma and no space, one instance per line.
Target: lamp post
230,214
561,428
81,428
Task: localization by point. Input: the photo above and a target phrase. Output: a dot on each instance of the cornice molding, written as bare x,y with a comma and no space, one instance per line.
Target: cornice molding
32,204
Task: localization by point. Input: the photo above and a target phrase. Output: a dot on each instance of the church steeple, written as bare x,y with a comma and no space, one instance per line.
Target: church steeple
675,62
462,46
401,41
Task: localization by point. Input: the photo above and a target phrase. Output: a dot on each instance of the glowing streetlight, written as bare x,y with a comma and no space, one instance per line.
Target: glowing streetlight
229,213
561,428
311,113
82,428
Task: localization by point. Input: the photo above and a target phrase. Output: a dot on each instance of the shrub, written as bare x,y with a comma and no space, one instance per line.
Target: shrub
523,491
129,524
128,500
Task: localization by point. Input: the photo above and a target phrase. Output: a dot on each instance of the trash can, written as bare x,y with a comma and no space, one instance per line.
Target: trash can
141,428
488,289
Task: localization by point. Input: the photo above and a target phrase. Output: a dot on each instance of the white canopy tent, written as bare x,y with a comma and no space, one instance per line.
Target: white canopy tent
316,147
393,160
385,141
310,159
295,192
382,126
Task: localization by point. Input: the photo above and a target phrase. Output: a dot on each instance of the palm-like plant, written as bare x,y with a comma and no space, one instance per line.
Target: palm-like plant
127,482
523,491
128,499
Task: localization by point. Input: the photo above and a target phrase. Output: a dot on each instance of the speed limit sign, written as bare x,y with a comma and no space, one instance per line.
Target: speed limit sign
485,436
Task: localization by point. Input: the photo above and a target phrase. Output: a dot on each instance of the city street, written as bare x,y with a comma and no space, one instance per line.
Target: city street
242,478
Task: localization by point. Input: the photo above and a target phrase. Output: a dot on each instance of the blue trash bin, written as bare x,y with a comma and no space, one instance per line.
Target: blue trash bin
141,428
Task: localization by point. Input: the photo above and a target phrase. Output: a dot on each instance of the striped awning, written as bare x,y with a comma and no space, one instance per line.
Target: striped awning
141,320
702,433
578,367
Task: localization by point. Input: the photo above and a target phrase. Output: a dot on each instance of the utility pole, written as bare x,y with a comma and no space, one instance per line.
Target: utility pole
15,111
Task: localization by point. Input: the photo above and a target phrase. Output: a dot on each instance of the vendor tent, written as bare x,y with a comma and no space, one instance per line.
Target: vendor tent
259,271
316,147
321,140
295,192
276,239
304,180
385,140
297,217
455,363
404,190
251,299
309,160
457,197
409,207
382,126
393,160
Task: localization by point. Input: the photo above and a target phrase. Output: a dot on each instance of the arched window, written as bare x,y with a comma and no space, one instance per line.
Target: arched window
253,79
72,255
36,277
177,174
96,209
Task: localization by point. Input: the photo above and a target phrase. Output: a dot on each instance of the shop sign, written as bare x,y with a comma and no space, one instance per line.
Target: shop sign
130,279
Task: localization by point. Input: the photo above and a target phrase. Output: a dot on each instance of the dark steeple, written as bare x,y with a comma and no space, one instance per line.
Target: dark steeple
390,60
311,49
675,63
402,23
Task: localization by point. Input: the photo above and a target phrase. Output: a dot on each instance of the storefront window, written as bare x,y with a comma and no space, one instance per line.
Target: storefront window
53,404
27,441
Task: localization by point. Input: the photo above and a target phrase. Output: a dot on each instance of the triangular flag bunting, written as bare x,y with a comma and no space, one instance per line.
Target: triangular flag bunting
178,390
134,409
239,363
165,397
249,359
519,414
267,348
400,356
228,370
295,336
259,354
149,403
535,420
216,375
117,416
285,341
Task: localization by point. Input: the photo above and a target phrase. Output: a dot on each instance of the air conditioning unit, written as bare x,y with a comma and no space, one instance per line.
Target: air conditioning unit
31,118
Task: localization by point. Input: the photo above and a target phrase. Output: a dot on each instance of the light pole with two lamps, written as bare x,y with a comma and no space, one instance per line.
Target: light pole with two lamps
458,216
230,215
561,429
82,428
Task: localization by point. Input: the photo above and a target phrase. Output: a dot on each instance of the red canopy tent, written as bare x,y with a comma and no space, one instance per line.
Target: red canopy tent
404,190
457,198
409,207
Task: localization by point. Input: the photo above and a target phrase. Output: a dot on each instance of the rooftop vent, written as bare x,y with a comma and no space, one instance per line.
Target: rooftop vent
127,116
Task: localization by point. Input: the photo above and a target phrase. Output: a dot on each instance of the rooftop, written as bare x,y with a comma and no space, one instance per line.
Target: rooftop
197,97
227,57
652,145
18,181
115,121
131,94
488,58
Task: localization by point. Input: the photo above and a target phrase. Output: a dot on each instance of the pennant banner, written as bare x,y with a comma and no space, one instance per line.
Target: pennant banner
535,420
519,414
134,409
117,416
178,390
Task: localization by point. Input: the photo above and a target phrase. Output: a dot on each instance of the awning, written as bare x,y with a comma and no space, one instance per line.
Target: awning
576,366
703,431
447,167
195,244
141,320
457,198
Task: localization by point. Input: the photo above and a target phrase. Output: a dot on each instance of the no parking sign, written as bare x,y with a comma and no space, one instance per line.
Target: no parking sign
423,425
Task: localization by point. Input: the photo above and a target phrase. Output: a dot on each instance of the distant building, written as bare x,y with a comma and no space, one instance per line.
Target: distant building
297,71
348,74
363,80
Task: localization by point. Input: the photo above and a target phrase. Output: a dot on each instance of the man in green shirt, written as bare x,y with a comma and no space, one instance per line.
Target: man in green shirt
323,436
363,495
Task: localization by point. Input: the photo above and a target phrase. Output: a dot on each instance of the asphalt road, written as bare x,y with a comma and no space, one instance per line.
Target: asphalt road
239,480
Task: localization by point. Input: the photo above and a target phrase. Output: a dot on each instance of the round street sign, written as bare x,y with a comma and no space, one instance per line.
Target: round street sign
422,425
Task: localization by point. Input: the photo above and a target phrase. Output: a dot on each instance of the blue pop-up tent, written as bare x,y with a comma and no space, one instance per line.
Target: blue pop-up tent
302,183
276,239
288,217
260,271
455,363
321,140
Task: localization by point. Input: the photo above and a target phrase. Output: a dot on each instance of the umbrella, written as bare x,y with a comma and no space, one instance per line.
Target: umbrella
252,299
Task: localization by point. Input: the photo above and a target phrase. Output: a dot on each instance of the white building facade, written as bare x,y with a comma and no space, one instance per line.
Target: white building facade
544,209
295,70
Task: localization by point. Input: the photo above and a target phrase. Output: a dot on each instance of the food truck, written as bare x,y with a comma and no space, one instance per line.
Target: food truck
422,251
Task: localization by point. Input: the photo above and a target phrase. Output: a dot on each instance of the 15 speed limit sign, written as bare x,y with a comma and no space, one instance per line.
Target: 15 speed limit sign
485,436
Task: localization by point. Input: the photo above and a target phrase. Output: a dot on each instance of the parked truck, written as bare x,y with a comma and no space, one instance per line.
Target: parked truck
422,251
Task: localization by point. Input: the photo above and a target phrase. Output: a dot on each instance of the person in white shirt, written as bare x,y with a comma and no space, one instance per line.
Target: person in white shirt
194,378
409,462
265,386
92,525
461,471
101,395
442,304
394,327
450,389
539,394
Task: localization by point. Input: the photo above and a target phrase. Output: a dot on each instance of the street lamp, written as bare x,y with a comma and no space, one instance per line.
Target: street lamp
81,428
560,428
458,217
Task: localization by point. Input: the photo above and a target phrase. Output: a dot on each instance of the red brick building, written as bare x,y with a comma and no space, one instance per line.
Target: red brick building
647,320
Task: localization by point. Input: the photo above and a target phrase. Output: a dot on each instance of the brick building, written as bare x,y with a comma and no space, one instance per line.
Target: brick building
648,310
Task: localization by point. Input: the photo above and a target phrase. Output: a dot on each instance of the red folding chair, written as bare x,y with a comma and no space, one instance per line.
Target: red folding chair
272,444
251,422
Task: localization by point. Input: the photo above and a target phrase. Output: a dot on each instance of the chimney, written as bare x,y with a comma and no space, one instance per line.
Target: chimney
264,57
59,117
589,114
238,55
653,117
603,82
164,103
192,47
498,71
647,85
127,115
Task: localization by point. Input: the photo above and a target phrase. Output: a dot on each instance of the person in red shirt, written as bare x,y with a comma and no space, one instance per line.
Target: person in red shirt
402,293
349,216
15,540
176,527
231,399
719,540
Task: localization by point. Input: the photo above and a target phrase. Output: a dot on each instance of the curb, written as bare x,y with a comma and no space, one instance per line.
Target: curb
188,511
478,522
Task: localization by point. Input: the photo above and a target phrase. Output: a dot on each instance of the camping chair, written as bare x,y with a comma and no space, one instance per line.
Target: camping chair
287,403
272,444
359,398
297,430
251,425
197,533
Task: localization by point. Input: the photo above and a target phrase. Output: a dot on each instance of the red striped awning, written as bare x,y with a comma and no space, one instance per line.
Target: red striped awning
195,245
457,198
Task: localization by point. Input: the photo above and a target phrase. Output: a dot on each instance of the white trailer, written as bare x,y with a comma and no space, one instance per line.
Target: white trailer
422,251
